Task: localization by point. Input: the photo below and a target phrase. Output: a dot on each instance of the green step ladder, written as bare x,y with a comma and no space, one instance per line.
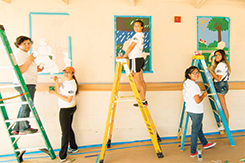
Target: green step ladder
199,62
9,123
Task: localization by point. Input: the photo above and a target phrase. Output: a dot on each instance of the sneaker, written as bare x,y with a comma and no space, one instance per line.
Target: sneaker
67,160
209,145
194,155
62,160
145,103
221,127
70,150
13,132
28,131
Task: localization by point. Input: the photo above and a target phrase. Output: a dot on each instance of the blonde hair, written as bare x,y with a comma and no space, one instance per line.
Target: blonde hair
224,59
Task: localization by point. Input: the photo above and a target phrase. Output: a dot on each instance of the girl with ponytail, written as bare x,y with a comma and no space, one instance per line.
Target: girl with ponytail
66,93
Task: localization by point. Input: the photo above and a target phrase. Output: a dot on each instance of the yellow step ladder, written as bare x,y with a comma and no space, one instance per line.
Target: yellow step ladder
112,109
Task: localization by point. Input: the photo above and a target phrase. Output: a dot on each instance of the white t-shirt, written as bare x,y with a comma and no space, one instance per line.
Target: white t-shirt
137,50
30,76
67,88
190,89
222,69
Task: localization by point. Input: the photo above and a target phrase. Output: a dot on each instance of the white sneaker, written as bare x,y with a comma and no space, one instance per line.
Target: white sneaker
70,150
221,128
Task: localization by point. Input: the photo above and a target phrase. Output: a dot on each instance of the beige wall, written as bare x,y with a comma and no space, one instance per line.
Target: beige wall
172,48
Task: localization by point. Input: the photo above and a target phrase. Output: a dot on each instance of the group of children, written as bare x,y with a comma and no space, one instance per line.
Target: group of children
67,91
193,97
191,91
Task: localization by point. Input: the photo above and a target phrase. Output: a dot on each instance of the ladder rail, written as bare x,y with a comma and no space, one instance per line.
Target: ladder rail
181,122
143,112
112,109
24,89
114,106
7,125
184,133
216,105
207,79
102,154
217,110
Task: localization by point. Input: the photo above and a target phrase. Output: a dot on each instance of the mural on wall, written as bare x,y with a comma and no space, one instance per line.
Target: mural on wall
124,32
213,33
52,43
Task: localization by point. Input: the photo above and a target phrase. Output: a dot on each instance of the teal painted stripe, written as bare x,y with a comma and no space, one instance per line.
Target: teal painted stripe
59,73
132,16
47,73
48,13
69,49
150,47
30,30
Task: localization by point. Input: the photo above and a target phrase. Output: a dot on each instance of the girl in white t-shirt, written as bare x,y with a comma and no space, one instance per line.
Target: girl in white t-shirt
222,70
29,70
66,93
137,62
194,108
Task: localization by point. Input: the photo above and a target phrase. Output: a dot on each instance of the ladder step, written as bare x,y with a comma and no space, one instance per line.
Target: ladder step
14,103
132,96
10,86
35,134
28,149
9,98
20,119
122,100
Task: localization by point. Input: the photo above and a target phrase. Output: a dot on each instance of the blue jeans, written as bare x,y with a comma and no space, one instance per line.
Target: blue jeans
24,109
196,131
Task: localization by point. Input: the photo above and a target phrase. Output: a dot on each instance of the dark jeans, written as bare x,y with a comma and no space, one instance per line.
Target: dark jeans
68,136
24,110
196,131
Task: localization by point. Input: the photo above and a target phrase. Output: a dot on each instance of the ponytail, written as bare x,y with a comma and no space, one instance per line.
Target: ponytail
77,91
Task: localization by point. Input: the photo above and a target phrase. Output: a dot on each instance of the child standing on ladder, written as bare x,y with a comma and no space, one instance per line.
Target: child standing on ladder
29,70
134,53
194,108
66,93
222,69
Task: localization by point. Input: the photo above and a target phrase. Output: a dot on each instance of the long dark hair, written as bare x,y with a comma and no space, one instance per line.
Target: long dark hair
21,39
77,91
224,59
189,71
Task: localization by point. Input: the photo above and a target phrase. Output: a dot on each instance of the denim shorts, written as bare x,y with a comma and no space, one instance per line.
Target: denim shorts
221,87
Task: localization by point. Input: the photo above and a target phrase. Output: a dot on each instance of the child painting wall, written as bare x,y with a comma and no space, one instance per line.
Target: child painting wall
213,33
124,32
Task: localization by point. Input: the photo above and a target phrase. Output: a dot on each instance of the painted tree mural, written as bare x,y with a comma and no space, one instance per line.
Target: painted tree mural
207,40
218,24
